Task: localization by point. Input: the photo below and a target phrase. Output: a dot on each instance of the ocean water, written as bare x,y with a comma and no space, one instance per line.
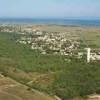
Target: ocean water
50,21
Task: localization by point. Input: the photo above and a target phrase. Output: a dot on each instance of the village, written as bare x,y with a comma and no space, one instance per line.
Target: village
56,43
50,43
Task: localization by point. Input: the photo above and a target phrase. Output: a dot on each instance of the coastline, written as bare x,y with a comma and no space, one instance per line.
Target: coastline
58,22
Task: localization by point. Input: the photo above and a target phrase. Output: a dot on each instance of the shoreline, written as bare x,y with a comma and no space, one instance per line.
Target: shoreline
57,22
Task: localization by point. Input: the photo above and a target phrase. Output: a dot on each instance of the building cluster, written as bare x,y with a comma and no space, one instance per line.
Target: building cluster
50,42
95,55
19,28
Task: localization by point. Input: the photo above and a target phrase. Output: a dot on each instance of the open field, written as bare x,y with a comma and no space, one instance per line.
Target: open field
51,74
91,34
11,90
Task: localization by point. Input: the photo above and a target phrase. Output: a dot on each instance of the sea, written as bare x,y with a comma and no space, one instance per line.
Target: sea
84,22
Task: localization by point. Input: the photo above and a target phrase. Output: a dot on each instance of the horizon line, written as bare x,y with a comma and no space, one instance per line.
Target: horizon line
62,18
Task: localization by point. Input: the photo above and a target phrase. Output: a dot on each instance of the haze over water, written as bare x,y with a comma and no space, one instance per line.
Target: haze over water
50,21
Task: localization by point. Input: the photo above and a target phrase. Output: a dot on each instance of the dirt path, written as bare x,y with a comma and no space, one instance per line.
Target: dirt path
12,97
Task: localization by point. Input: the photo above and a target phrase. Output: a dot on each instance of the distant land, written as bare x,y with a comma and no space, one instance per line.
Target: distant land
86,22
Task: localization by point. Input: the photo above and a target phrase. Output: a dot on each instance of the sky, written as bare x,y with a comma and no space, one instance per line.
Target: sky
50,8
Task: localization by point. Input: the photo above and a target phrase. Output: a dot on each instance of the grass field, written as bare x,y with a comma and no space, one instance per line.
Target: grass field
48,73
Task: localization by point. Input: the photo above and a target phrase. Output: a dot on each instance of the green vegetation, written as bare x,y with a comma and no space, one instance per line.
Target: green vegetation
49,73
